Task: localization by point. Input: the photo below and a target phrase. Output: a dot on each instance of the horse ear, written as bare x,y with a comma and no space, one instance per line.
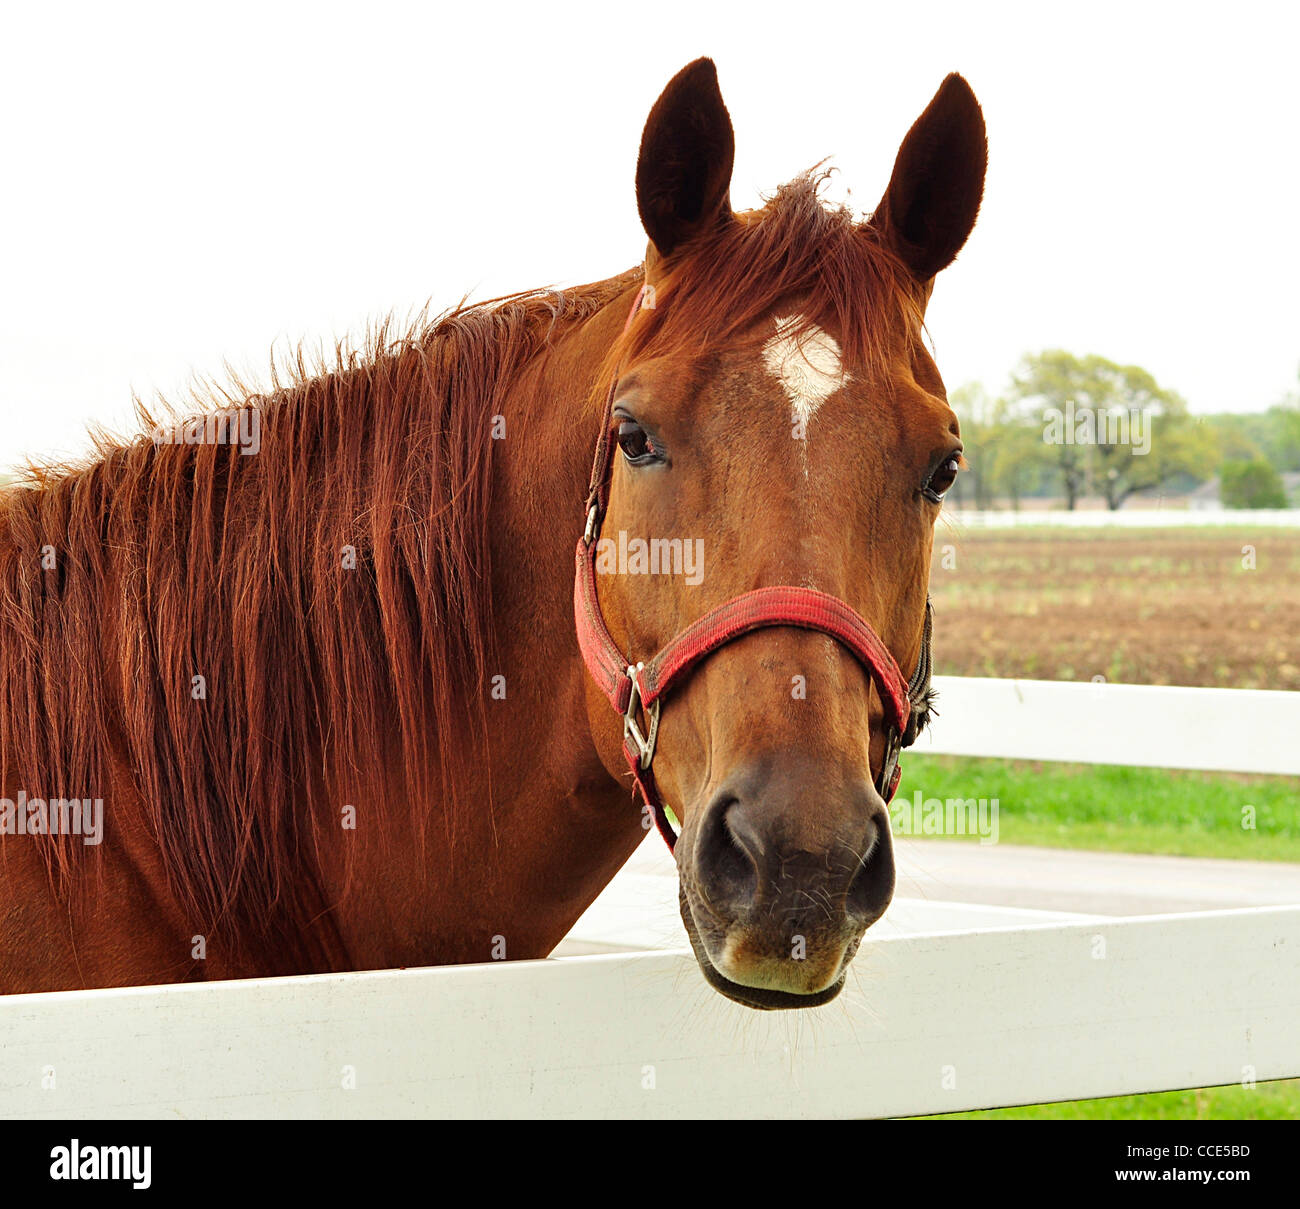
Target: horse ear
929,209
683,175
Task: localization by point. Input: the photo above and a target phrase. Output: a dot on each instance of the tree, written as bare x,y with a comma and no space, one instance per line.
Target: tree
1023,462
1003,446
1251,484
1109,425
1174,445
1286,418
1281,441
974,411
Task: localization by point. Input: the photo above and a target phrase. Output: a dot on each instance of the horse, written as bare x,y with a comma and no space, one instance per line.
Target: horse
313,681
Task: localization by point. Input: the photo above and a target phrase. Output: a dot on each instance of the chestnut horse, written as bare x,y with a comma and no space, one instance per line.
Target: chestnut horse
314,702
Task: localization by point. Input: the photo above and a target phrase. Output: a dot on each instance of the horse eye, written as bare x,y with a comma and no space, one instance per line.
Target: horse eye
942,479
636,444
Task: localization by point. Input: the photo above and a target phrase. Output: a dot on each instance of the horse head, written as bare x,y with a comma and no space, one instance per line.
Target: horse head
777,446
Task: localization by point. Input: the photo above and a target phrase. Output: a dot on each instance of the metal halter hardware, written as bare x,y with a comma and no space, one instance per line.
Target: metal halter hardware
644,745
639,688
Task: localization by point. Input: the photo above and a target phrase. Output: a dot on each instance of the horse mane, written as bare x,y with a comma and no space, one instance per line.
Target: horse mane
323,684
796,248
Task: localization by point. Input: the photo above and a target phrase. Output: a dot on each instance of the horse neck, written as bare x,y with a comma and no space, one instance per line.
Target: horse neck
537,826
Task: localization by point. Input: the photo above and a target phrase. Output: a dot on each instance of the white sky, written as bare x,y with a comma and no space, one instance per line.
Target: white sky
188,185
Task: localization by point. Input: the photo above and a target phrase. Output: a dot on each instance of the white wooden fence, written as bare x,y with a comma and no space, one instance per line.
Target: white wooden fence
1156,726
928,1023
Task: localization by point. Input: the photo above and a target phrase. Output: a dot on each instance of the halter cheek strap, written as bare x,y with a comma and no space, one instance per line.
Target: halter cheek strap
636,690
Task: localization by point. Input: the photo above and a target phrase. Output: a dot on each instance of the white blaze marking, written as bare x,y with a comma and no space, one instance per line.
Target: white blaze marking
809,367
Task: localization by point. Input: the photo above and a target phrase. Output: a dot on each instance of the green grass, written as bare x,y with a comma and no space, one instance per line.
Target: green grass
1118,808
1278,1101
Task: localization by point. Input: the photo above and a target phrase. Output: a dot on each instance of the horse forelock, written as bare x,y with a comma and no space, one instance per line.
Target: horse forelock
797,247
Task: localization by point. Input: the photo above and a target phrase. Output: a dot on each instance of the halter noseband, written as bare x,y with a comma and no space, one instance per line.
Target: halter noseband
636,690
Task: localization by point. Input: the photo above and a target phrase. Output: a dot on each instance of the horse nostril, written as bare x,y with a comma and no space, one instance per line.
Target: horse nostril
727,858
872,887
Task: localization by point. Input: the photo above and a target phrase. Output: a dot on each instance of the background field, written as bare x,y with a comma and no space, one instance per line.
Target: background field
1135,606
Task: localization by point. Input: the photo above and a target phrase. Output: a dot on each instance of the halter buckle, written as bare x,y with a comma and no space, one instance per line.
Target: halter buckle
643,744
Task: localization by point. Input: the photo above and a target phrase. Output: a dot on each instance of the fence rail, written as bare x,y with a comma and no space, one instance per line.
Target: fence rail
1155,726
928,1023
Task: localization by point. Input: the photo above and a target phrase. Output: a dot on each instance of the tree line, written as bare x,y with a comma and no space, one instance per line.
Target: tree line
1070,427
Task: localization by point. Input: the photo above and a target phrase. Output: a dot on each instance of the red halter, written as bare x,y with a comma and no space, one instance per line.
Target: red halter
639,688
